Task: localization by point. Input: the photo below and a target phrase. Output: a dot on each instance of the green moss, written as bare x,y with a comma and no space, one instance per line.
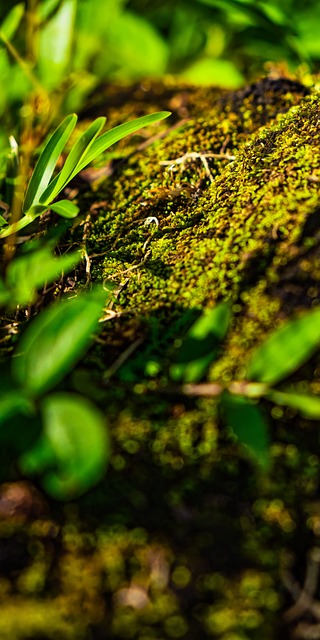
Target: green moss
185,538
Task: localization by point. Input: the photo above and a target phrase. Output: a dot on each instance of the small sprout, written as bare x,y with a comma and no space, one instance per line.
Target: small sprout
151,220
42,189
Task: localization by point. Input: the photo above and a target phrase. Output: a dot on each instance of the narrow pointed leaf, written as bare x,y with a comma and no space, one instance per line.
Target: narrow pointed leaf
47,161
117,133
201,345
286,349
55,340
69,170
246,422
65,208
73,450
308,405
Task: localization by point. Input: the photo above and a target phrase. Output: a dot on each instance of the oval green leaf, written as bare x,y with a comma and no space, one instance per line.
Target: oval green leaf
65,208
286,349
55,340
73,449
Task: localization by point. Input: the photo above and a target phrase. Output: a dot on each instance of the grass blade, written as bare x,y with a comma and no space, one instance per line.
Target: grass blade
28,273
47,162
69,170
117,133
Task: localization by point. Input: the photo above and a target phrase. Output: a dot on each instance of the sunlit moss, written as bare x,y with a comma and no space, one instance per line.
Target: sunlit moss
184,539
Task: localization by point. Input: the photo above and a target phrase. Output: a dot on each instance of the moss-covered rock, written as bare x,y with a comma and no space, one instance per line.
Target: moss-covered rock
186,537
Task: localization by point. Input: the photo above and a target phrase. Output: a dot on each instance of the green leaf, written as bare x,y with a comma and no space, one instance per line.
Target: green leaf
137,46
246,422
69,170
47,162
29,217
47,8
65,208
56,339
12,20
3,221
224,73
286,349
13,403
73,449
307,404
29,272
56,38
200,347
5,295
117,133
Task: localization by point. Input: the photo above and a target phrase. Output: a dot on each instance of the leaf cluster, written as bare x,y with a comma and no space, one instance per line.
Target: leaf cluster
282,353
71,450
42,190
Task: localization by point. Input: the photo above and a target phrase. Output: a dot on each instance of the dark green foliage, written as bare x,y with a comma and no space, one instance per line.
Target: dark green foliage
200,346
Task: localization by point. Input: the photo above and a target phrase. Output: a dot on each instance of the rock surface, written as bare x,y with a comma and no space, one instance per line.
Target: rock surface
186,537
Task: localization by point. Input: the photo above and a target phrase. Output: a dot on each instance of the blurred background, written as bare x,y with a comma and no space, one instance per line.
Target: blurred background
55,53
66,48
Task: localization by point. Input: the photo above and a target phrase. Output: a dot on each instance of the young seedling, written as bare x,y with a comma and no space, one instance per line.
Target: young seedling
42,190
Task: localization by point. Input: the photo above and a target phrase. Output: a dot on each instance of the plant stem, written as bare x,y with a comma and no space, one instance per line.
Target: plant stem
17,226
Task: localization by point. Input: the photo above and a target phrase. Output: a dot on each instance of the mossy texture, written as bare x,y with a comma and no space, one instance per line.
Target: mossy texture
185,537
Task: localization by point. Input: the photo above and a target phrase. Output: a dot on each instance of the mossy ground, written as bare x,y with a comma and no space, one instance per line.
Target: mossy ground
185,537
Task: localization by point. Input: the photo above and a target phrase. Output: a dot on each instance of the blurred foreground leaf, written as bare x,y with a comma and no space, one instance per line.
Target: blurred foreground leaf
307,404
286,349
12,403
27,273
200,347
73,449
56,340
